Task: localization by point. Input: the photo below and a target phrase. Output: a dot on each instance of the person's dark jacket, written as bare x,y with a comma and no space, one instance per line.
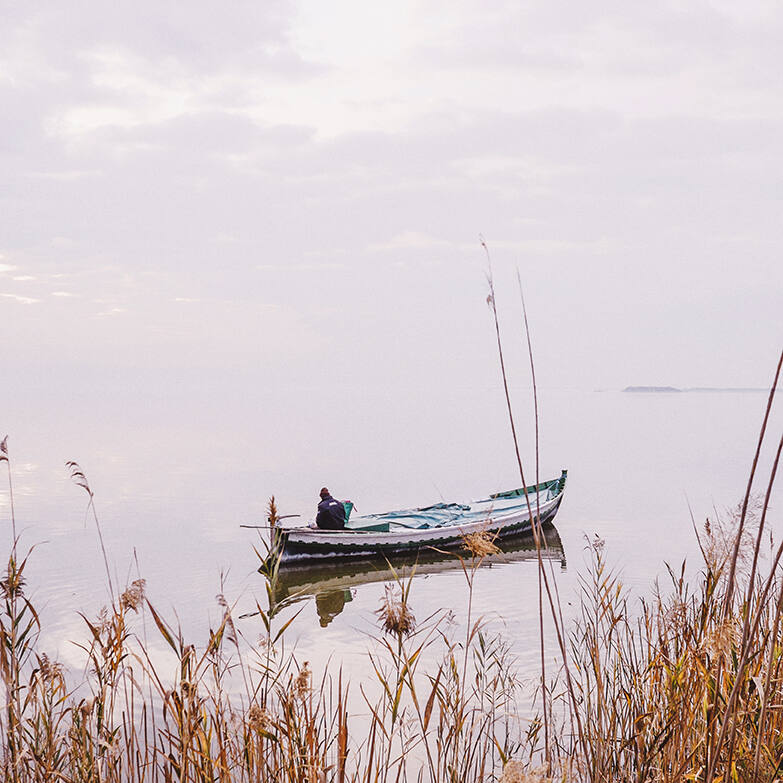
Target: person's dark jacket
331,514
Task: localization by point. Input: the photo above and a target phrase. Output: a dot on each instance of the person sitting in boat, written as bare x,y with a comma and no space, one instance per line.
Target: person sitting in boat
331,512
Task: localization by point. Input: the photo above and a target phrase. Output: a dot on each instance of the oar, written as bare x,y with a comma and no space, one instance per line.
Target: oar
270,527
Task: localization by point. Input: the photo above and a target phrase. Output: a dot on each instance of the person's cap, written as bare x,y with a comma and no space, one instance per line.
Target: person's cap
324,491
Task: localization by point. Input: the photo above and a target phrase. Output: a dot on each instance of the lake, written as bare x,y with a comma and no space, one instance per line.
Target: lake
176,470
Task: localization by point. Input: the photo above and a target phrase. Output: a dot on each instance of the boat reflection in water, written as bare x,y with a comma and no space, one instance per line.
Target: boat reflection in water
329,603
333,584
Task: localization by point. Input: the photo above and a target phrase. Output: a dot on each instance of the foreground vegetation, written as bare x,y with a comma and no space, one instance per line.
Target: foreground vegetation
686,686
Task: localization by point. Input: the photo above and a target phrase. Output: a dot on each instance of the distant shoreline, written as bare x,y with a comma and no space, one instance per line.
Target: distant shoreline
675,389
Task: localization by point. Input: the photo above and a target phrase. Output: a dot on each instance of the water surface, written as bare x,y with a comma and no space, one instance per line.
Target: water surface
174,477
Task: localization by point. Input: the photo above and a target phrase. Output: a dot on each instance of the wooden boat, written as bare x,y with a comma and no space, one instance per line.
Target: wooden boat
440,526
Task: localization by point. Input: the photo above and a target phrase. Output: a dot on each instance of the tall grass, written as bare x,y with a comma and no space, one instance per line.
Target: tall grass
229,709
721,729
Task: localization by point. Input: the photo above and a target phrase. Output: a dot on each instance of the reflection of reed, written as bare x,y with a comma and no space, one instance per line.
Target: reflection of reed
297,581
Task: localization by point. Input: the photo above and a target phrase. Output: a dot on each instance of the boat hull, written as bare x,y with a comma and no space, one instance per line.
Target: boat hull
306,543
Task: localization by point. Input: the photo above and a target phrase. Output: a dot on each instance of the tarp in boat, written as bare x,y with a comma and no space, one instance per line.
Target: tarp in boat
443,514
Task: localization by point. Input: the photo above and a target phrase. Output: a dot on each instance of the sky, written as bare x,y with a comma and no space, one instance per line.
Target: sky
300,185
286,199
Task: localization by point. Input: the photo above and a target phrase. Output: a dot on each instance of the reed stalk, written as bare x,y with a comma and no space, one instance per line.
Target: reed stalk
554,606
5,458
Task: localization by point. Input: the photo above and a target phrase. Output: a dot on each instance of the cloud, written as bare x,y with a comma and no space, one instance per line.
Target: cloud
301,267
64,175
27,300
410,240
252,36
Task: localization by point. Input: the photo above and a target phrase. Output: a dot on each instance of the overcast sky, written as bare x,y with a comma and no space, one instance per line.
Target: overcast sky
298,188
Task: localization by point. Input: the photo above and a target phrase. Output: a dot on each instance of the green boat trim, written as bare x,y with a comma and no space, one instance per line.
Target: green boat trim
553,487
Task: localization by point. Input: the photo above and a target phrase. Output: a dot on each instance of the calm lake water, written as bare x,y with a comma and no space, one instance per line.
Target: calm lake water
176,471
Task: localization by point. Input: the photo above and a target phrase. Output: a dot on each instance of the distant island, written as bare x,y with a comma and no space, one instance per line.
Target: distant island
651,389
669,389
